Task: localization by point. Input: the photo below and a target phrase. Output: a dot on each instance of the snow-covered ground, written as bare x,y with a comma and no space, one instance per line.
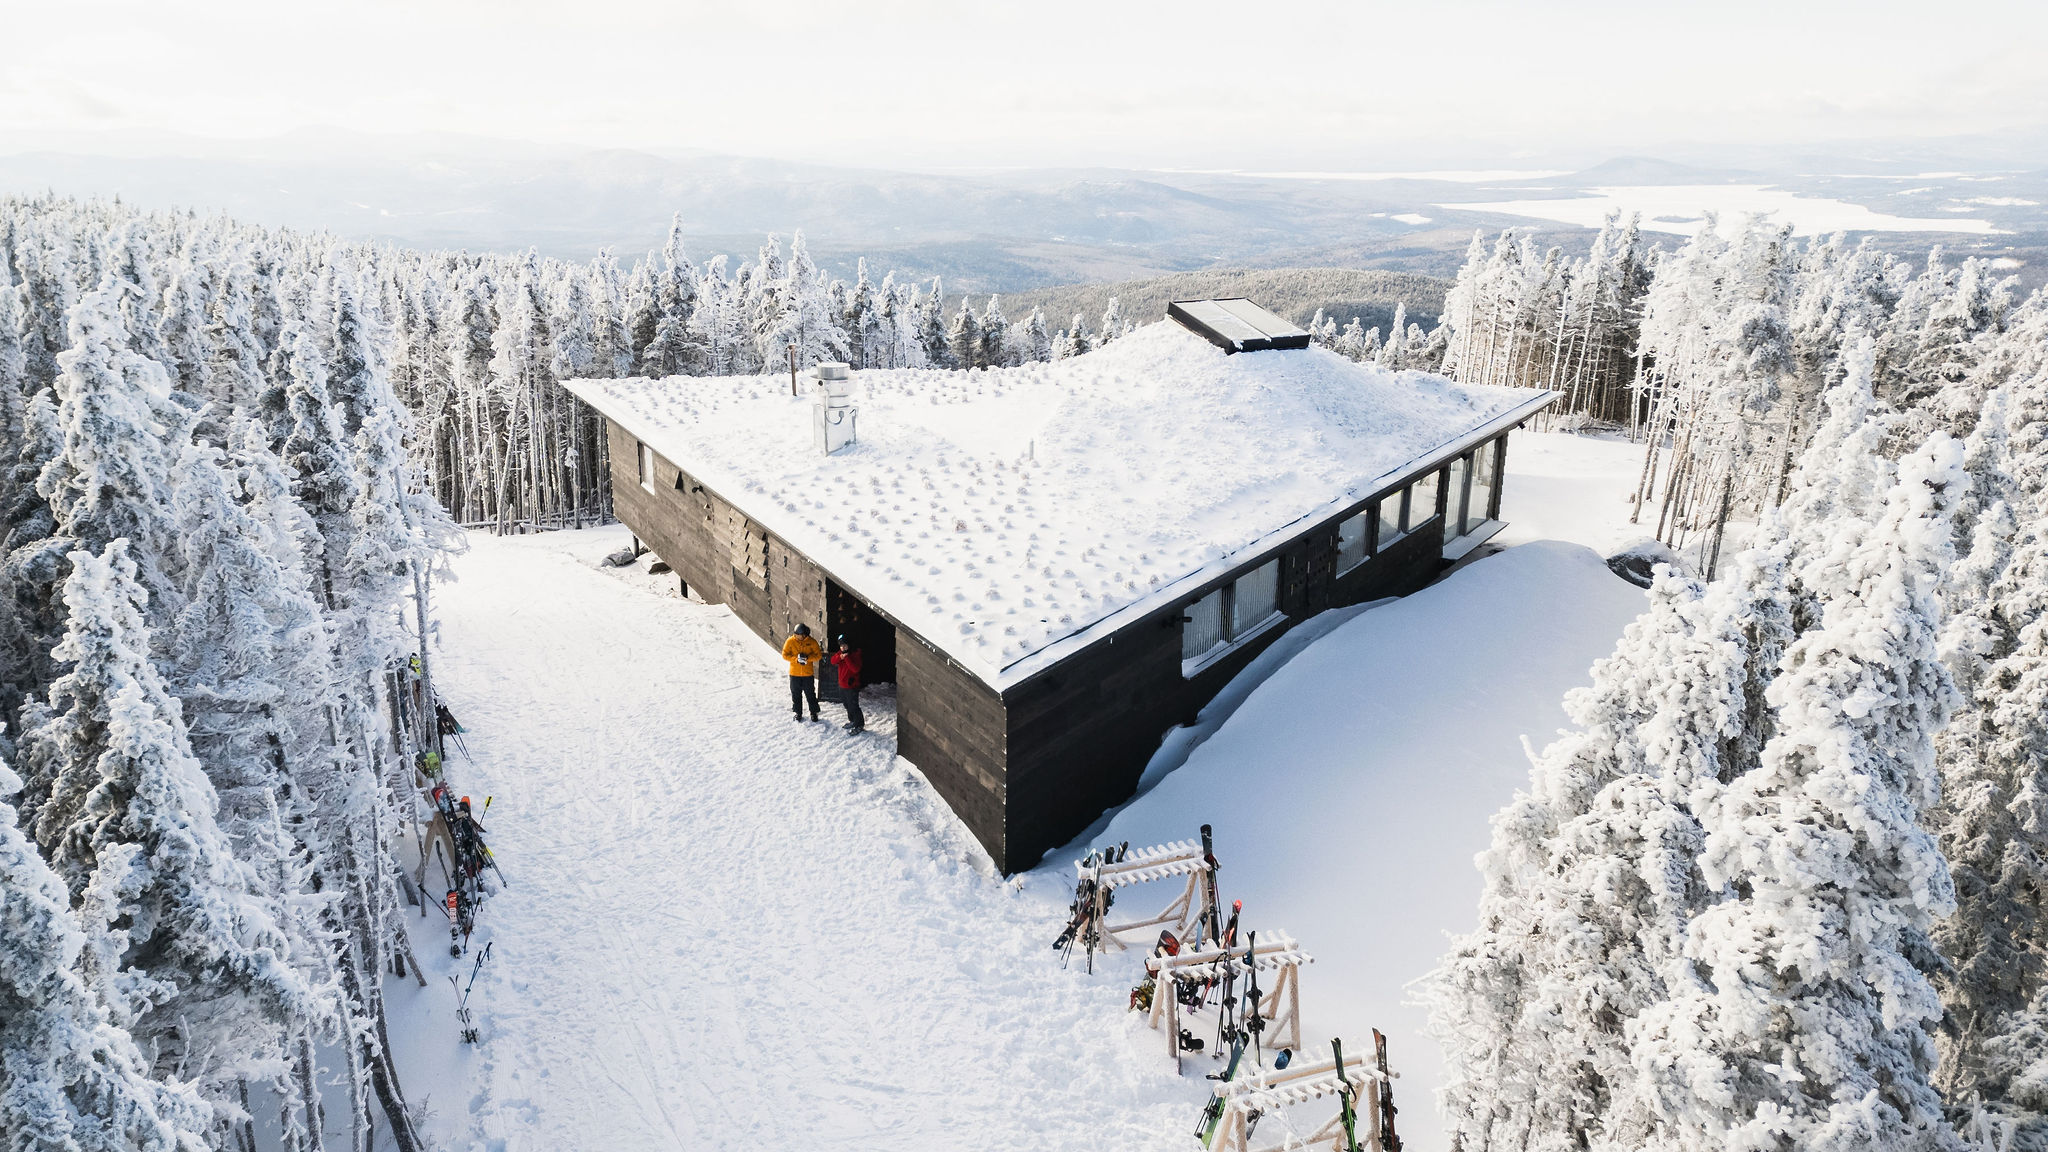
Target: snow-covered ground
728,930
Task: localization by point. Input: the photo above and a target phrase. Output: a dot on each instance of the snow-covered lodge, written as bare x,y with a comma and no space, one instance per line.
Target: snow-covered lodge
1055,563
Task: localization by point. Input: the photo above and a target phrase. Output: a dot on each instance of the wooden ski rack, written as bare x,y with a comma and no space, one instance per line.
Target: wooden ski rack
1280,1005
1161,862
1265,1092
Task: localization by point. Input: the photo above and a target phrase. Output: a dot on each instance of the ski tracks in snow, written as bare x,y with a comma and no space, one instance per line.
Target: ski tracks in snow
724,929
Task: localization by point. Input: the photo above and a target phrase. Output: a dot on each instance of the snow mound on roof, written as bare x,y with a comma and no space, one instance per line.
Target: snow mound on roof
998,512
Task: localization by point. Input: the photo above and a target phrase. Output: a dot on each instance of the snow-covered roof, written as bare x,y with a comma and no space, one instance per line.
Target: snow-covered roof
1009,516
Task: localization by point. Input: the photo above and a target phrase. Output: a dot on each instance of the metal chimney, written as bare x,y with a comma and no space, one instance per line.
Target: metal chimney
832,411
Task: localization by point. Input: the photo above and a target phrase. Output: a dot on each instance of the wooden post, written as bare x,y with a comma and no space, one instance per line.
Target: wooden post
792,370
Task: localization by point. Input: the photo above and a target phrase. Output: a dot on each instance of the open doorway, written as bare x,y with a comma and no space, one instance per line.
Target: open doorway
849,616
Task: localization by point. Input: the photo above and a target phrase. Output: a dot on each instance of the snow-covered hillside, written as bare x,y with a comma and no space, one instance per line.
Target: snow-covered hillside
725,929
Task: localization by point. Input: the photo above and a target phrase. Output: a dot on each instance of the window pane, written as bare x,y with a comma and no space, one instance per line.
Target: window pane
1481,504
1454,504
1390,521
1421,501
1203,629
1351,543
1258,595
647,467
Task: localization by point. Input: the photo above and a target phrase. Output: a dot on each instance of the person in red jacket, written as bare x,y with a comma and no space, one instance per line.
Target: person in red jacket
847,661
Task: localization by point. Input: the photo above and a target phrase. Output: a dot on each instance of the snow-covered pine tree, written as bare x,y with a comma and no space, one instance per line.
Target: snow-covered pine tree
929,309
1112,325
31,564
995,336
1807,1022
674,349
806,320
1994,831
1035,345
372,540
963,339
1593,873
188,952
1393,355
234,347
721,323
862,326
181,329
14,392
1078,340
612,344
75,1081
122,429
642,309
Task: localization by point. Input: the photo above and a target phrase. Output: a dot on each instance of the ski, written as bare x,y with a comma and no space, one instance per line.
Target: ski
1253,1022
469,1032
1214,912
1212,1113
1389,1142
1347,1105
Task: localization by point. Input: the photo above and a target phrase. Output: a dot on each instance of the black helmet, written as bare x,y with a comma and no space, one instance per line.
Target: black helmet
803,629
842,638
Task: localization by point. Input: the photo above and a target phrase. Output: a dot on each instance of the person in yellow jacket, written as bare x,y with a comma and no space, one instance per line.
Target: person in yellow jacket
803,654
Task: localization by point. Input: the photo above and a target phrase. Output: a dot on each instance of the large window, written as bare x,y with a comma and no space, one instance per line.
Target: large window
1422,501
1351,542
1454,496
647,467
1403,512
1202,625
1233,613
1485,467
1392,510
1257,598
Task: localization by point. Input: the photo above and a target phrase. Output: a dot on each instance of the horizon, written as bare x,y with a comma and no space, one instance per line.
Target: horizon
1103,88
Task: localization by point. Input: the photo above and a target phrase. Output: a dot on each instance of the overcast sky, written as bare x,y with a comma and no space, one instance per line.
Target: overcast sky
906,82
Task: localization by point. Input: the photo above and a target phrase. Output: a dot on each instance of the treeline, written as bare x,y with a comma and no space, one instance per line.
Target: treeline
479,345
213,539
1718,353
1787,885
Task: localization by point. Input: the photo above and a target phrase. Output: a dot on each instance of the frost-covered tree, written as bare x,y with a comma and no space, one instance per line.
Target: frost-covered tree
963,339
1035,342
803,320
995,336
674,347
71,1079
182,330
1593,873
1995,774
1112,325
188,952
1807,1019
1393,354
121,429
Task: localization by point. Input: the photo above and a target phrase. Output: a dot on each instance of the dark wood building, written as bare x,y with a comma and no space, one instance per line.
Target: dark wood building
1029,756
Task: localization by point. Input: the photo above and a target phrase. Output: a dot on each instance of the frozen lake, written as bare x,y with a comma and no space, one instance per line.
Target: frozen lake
1680,210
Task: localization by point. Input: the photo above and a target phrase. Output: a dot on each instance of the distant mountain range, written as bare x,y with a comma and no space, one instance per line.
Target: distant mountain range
984,231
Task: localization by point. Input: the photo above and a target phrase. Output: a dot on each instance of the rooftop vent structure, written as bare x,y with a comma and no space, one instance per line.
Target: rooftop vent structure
1236,325
832,410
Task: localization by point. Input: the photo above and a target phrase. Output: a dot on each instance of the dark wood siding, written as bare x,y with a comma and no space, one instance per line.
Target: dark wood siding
951,726
1081,732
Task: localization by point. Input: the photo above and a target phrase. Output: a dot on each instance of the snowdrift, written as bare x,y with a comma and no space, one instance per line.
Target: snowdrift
1352,789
